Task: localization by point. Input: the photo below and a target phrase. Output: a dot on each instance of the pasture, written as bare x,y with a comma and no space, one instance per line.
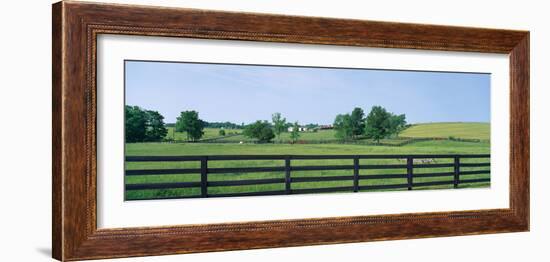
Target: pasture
457,130
197,149
321,135
208,133
445,130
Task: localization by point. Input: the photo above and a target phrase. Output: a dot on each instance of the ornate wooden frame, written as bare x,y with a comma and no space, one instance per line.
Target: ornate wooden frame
76,26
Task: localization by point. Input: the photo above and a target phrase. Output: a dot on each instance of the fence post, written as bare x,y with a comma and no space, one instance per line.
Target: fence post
409,172
204,176
457,171
355,174
287,175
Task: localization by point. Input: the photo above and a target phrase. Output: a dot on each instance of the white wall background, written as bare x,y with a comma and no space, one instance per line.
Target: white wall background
25,94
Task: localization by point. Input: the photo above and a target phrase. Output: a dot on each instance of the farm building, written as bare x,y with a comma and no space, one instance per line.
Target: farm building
300,129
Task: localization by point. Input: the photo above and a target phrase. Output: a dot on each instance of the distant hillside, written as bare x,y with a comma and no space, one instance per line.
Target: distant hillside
466,130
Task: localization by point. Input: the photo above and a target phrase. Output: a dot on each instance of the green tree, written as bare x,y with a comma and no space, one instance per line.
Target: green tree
279,124
398,123
260,130
295,133
378,123
381,124
357,122
343,126
135,125
190,123
143,125
221,132
155,130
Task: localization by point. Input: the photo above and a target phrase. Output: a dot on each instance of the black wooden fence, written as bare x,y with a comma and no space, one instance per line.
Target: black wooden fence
410,164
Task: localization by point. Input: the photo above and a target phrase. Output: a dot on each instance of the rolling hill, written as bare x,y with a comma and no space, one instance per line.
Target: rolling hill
464,130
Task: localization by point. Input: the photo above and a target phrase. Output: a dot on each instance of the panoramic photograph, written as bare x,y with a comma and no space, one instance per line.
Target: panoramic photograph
201,130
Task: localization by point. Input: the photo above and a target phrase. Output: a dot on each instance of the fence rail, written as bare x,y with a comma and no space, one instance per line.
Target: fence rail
410,165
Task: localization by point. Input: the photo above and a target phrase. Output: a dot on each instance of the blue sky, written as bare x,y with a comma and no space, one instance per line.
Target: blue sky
245,93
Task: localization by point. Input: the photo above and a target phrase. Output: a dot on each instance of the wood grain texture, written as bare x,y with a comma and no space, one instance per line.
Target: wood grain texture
519,129
57,199
76,26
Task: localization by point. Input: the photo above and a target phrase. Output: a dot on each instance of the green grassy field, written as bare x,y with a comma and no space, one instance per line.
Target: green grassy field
165,149
446,130
321,136
285,137
427,130
208,133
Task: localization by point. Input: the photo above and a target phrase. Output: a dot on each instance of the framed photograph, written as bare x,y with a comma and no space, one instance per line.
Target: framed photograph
182,130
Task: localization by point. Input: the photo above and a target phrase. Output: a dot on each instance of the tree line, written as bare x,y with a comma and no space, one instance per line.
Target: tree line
261,130
378,124
148,126
142,125
224,125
